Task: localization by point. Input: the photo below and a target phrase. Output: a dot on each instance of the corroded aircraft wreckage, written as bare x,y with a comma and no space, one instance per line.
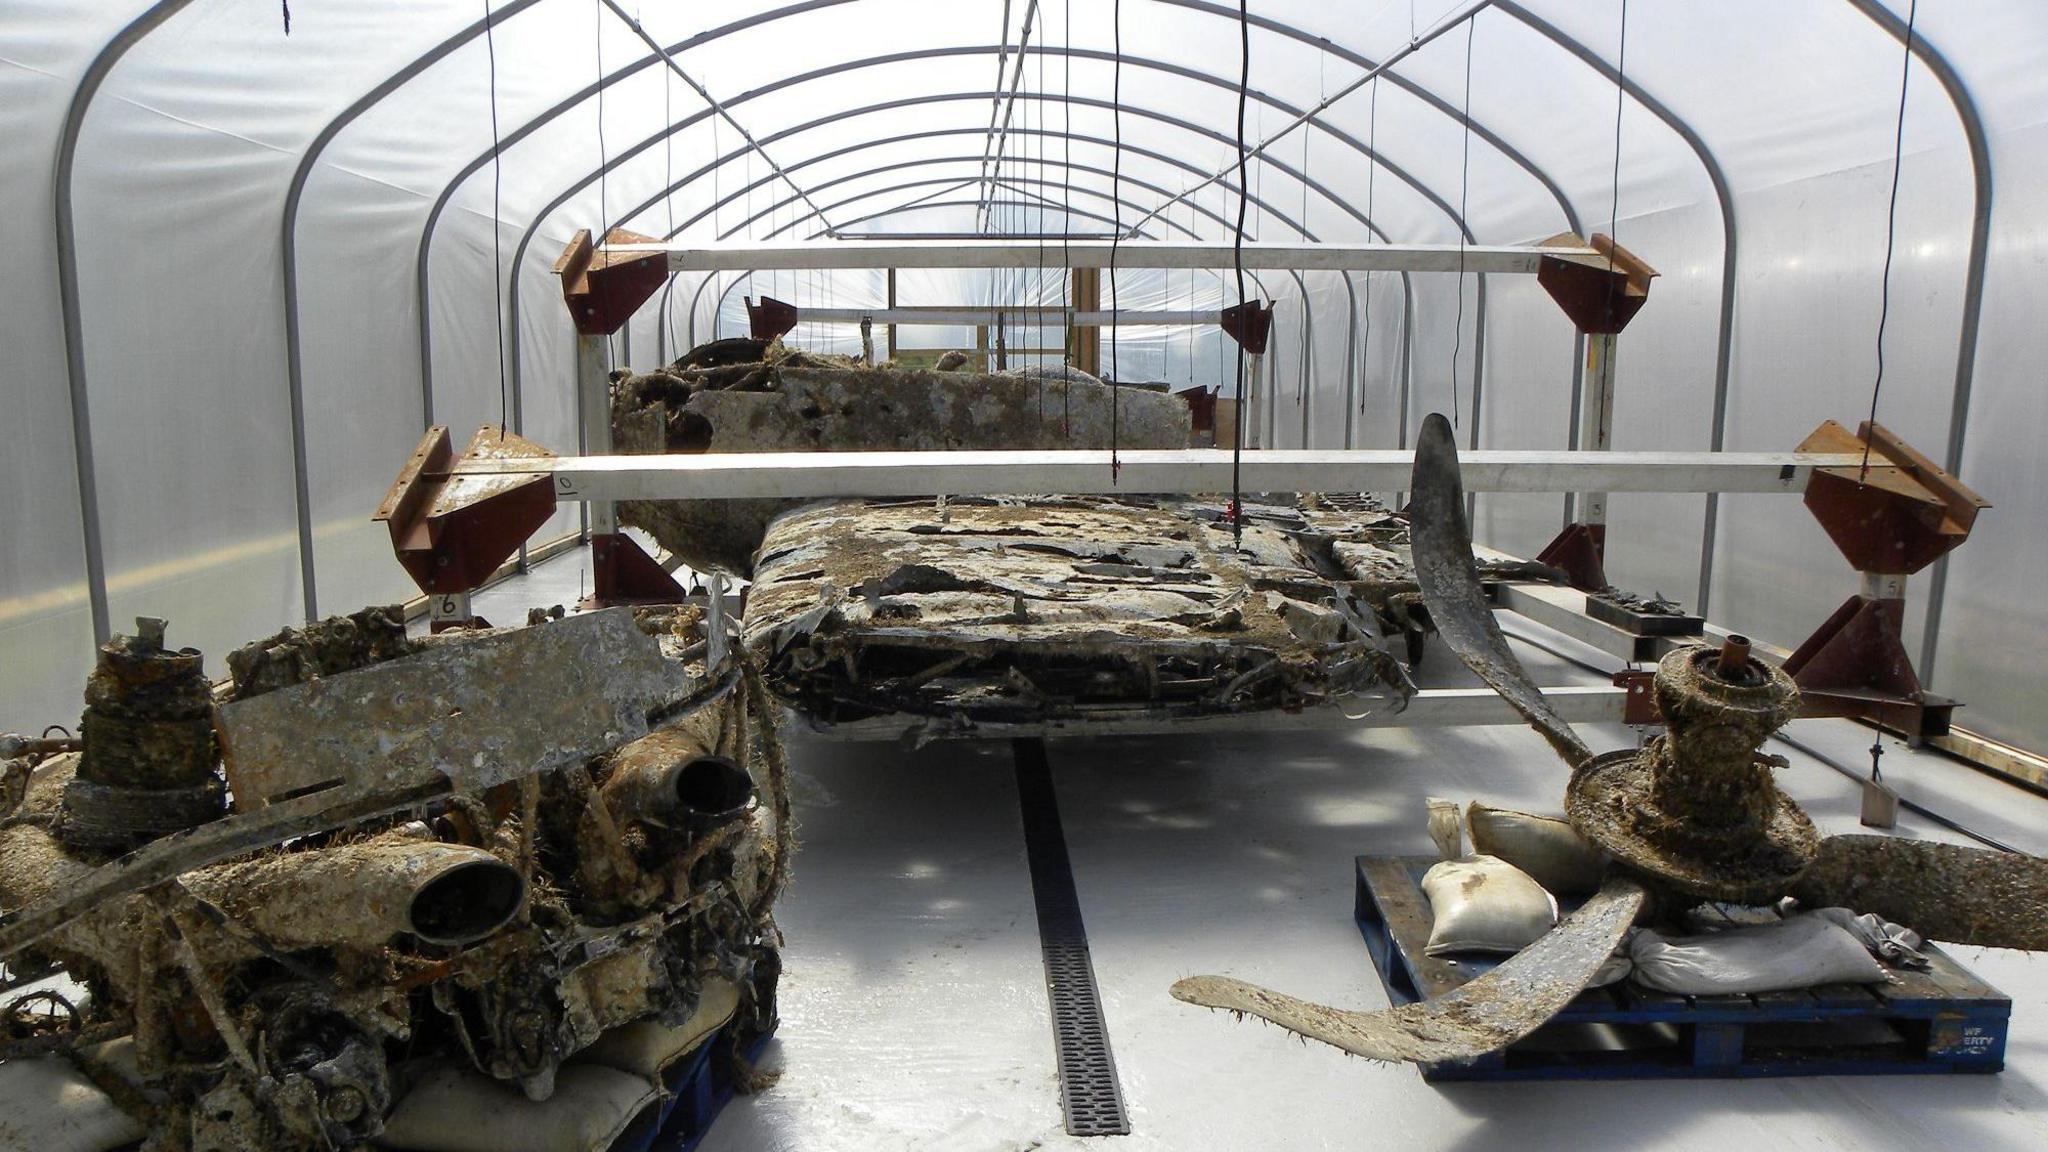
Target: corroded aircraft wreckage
1692,817
319,904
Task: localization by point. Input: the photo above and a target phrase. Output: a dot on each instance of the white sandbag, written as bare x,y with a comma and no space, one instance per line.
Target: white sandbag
1446,829
1797,952
1484,904
1549,849
648,1048
456,1109
46,1105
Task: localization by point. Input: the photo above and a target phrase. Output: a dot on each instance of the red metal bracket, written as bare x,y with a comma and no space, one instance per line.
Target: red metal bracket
1640,705
1892,518
769,319
1857,665
1249,323
1580,552
1895,517
623,573
451,531
603,290
1600,294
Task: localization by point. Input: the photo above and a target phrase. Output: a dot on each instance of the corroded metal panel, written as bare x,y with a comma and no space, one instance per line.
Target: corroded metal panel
479,711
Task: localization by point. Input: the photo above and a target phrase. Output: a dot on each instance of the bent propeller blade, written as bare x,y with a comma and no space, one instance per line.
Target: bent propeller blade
1942,891
1442,550
1460,1026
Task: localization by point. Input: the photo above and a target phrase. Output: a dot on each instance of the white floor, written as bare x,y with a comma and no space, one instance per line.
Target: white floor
914,1008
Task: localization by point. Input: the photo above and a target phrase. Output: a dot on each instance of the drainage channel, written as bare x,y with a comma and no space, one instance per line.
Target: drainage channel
1090,1096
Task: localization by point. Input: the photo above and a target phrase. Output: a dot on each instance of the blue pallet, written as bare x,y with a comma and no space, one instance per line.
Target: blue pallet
1944,1020
698,1089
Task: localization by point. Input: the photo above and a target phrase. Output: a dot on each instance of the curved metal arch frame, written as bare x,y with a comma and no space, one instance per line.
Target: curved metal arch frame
1193,207
718,308
1724,198
1974,276
148,21
1399,173
649,203
1118,202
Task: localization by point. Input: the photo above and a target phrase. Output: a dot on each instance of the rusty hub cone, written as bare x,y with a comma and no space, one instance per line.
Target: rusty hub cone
1696,807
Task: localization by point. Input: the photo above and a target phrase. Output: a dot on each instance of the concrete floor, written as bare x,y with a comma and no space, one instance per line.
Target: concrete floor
914,1006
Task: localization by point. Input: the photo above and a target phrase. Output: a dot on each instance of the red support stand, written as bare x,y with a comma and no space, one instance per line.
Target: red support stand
623,573
1579,551
1856,664
1890,519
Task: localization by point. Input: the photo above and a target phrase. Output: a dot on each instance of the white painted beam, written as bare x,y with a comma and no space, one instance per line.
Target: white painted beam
1014,316
804,475
1096,254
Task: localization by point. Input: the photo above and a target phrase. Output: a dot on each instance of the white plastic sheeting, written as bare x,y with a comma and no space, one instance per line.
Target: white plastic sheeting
229,482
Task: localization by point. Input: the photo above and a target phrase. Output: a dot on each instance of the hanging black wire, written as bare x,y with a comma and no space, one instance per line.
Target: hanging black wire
1067,184
1244,87
668,121
1116,233
1464,187
1614,202
1891,230
497,240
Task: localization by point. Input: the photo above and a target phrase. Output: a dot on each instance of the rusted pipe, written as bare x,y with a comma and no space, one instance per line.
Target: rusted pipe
363,894
1734,656
671,779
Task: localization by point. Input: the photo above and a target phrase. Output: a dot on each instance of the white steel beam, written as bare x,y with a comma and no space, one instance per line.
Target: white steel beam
1013,315
805,475
745,257
1429,708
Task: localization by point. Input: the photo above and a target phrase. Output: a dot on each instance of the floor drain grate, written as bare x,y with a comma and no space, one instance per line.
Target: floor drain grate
1089,1094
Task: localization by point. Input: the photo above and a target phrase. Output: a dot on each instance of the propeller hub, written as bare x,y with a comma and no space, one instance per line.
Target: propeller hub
1697,807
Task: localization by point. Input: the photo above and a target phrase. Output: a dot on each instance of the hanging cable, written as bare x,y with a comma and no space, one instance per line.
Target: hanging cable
1464,187
497,240
1891,228
1614,202
1244,87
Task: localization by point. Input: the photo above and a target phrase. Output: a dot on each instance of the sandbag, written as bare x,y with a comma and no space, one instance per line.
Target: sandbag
1484,904
1797,952
648,1048
1446,830
1547,848
455,1109
46,1105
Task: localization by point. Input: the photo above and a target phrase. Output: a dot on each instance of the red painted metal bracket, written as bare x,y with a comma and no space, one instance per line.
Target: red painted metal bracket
452,531
623,573
769,319
1249,323
1579,551
1600,294
603,290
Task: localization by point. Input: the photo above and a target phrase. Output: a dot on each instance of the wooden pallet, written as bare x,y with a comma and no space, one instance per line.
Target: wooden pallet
1943,1020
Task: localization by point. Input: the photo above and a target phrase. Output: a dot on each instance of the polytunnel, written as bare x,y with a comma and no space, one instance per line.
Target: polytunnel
257,249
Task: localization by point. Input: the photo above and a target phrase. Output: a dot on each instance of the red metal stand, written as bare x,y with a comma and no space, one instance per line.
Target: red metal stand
623,573
1891,519
1579,552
